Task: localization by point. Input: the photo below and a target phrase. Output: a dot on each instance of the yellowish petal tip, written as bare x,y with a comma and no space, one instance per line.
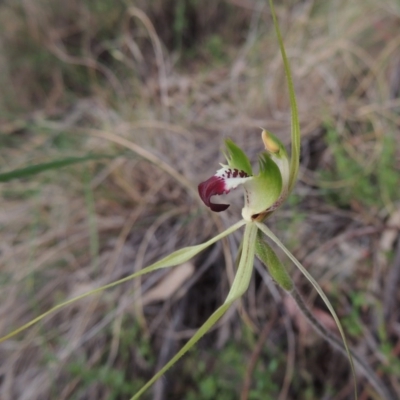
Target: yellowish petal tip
269,142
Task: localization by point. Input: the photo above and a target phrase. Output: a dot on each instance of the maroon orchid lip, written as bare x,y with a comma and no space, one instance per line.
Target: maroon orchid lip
213,186
219,184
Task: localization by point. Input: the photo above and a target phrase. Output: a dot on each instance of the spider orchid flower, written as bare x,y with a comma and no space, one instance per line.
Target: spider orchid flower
264,192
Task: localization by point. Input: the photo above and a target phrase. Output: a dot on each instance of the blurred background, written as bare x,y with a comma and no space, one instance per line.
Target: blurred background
127,103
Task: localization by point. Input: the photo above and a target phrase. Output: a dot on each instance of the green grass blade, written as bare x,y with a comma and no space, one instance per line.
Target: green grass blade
176,258
38,168
239,286
318,288
295,125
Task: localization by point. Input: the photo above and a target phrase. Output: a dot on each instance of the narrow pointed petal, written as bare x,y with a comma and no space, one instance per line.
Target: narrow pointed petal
222,182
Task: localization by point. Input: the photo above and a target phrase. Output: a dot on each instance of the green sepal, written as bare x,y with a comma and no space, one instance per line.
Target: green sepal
264,189
237,158
274,265
295,124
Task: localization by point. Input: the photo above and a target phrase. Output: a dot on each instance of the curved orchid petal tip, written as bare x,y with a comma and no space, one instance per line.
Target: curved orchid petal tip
212,186
221,183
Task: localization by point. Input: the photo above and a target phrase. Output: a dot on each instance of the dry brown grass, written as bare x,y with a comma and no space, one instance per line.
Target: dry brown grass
76,79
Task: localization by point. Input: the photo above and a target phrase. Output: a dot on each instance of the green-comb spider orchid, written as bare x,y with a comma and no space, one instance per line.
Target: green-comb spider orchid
264,194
